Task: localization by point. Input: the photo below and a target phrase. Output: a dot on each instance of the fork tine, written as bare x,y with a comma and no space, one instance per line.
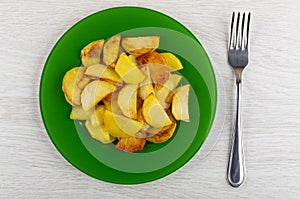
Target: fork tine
237,31
242,34
248,27
231,31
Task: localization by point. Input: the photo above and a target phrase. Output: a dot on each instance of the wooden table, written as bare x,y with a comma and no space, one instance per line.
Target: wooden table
31,167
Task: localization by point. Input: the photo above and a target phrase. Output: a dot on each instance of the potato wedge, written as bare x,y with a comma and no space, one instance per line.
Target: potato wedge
163,93
146,87
68,100
94,92
104,73
91,53
159,74
162,135
97,115
140,118
98,132
158,67
127,100
151,58
111,50
153,131
172,61
131,144
175,79
111,103
128,71
140,45
180,109
78,113
154,114
83,82
120,126
121,51
69,85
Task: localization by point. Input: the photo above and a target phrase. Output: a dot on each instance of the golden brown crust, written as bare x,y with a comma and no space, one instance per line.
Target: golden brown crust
131,144
90,54
139,102
163,135
69,85
111,50
151,58
159,72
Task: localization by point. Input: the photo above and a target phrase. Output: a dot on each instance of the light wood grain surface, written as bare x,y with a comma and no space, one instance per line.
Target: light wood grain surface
31,167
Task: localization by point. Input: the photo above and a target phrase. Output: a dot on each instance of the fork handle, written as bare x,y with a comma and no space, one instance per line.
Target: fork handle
236,164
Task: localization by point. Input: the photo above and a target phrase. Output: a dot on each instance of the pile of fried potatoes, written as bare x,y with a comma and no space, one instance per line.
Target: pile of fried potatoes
125,92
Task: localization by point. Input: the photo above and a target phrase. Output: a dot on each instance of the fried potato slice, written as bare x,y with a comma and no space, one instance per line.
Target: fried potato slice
158,67
154,114
97,115
68,100
175,79
146,87
131,144
83,82
120,126
163,134
159,74
127,100
128,71
140,45
111,103
98,132
91,53
140,118
163,94
104,73
172,61
180,109
94,92
151,58
69,85
111,50
78,113
121,51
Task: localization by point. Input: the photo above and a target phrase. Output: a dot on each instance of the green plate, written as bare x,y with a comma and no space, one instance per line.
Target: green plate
105,162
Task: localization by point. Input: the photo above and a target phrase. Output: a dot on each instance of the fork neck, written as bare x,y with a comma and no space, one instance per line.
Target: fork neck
238,74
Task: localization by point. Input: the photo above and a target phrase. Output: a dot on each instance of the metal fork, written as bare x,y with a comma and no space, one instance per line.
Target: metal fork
238,59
